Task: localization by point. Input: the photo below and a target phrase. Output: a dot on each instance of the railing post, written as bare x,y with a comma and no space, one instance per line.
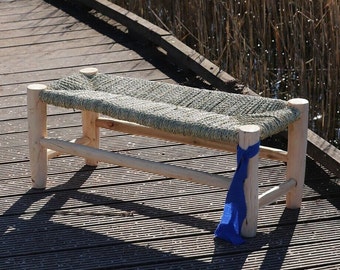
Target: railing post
297,148
90,130
248,136
36,116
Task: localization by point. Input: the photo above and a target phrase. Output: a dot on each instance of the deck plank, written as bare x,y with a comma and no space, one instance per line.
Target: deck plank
115,217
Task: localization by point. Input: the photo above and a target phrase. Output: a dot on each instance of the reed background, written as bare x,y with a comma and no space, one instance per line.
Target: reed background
280,49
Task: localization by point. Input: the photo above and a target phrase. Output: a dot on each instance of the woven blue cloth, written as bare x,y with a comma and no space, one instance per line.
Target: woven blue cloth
235,208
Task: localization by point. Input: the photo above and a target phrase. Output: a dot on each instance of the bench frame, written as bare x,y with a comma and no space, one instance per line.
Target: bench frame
42,148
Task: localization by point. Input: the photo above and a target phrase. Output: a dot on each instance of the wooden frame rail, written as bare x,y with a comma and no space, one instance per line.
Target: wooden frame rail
136,163
133,128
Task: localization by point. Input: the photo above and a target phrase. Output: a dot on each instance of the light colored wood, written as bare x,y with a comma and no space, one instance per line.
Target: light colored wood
273,153
136,163
136,129
297,147
133,128
89,71
276,192
90,129
250,135
36,115
83,141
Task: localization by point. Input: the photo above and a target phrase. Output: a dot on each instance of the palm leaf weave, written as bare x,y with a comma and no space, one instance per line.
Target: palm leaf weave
206,114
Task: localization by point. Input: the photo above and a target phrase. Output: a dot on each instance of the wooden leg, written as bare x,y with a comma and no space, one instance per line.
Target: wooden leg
250,135
297,147
36,115
90,129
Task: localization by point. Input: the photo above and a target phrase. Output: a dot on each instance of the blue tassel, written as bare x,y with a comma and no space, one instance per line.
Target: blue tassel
235,208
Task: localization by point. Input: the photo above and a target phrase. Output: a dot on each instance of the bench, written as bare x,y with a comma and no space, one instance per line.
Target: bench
206,118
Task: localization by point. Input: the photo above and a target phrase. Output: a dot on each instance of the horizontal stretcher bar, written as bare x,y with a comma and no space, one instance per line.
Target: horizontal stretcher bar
167,170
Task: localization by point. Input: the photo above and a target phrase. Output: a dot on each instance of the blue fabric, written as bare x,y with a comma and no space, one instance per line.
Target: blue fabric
235,208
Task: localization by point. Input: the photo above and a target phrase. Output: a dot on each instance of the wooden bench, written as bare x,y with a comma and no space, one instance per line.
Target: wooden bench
200,117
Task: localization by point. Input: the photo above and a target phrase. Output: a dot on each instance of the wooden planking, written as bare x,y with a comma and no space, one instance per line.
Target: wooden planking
51,37
294,257
41,13
110,185
87,60
134,68
72,25
107,254
44,48
118,220
149,196
176,49
29,24
114,216
331,155
162,243
197,158
111,175
46,76
11,4
48,55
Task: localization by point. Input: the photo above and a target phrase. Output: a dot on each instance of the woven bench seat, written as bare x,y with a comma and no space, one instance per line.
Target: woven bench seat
205,114
213,119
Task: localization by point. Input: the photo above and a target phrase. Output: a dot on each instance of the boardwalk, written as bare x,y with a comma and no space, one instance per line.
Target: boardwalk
117,218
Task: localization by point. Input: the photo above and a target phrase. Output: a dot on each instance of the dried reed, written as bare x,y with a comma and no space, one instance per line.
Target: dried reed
279,48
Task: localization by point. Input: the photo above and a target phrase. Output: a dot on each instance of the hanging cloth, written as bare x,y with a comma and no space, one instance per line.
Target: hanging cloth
235,209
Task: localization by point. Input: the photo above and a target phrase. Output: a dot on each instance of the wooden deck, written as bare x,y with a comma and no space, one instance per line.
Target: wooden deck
117,218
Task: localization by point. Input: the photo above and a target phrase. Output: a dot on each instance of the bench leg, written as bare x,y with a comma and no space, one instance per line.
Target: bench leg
36,115
248,136
297,147
91,131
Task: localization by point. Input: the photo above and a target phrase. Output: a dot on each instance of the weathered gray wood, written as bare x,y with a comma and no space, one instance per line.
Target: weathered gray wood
33,23
85,60
16,33
176,50
142,69
36,14
329,156
57,45
41,39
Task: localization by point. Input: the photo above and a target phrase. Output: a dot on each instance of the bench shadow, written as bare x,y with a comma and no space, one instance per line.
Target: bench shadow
36,238
274,245
147,50
323,183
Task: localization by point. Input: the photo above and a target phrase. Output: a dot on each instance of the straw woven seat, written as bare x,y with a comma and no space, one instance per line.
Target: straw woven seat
200,113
